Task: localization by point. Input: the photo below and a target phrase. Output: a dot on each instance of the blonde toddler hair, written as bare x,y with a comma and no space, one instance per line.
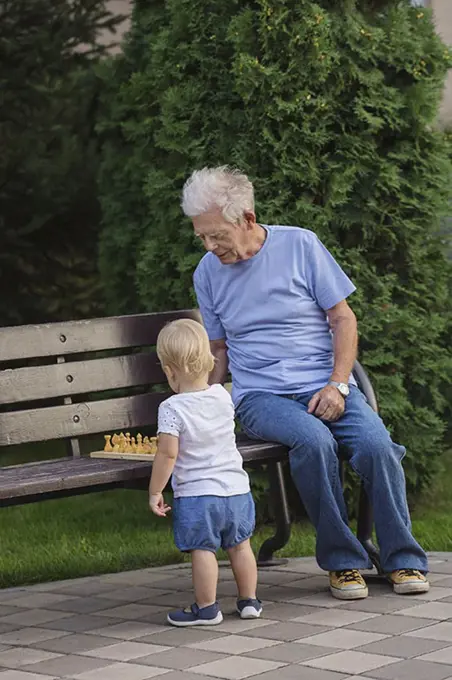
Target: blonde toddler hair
184,345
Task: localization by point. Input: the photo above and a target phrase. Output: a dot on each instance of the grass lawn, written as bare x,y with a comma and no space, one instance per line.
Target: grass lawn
114,531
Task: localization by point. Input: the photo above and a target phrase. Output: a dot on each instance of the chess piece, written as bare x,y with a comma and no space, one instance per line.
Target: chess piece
146,445
153,445
115,439
108,447
122,442
134,445
140,447
128,448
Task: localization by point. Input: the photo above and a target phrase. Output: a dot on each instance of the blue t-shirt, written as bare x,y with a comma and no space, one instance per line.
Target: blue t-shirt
270,309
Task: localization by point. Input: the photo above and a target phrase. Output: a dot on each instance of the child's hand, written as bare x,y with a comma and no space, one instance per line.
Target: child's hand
158,505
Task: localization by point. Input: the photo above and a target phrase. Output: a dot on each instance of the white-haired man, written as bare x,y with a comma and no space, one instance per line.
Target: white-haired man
273,301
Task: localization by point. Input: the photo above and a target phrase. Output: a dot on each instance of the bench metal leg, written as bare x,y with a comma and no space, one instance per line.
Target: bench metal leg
282,516
364,530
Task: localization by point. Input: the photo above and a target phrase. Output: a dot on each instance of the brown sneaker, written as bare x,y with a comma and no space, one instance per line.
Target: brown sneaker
408,581
348,584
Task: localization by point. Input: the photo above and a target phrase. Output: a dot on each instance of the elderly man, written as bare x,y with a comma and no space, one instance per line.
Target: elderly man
273,301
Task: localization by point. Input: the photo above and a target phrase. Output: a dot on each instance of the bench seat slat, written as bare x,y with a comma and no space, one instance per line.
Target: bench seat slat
74,473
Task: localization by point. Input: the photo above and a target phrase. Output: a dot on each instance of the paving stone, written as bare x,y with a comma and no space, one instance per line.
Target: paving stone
236,668
351,662
125,651
179,675
177,637
66,666
441,580
174,599
435,593
233,624
83,605
120,671
335,617
341,638
281,594
403,646
34,617
233,644
134,611
291,652
6,610
439,631
286,631
28,636
413,670
182,658
442,656
8,628
38,600
311,583
287,612
22,656
79,624
319,600
381,605
294,672
84,588
272,577
135,594
429,610
73,644
392,624
129,630
23,675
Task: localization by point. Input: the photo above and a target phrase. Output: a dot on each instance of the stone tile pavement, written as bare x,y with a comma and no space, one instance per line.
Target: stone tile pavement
113,628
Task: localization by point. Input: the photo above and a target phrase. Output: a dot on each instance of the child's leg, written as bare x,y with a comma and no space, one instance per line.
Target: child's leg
205,577
244,567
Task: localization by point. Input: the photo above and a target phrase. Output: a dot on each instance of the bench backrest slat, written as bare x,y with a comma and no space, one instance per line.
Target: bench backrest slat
92,335
79,377
76,420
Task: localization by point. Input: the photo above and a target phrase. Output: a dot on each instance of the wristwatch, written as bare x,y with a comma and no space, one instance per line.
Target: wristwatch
342,387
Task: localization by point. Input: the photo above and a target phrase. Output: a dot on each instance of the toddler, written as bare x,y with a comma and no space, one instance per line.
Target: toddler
213,506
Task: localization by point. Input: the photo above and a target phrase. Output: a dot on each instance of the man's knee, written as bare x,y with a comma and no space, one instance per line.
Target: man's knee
316,443
375,448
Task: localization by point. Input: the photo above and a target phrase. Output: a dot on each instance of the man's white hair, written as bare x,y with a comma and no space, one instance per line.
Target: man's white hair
221,188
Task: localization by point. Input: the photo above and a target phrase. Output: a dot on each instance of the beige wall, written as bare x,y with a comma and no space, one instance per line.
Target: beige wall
118,7
443,16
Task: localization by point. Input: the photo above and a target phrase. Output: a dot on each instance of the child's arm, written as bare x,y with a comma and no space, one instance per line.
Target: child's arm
165,459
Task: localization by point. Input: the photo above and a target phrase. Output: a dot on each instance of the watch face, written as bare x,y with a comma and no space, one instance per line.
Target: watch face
343,389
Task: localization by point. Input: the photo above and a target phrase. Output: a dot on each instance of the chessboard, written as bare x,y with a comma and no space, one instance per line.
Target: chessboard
124,447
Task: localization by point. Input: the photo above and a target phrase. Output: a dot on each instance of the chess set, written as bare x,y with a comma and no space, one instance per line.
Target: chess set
123,446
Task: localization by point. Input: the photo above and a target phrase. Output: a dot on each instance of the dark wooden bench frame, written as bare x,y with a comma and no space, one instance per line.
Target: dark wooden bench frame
53,385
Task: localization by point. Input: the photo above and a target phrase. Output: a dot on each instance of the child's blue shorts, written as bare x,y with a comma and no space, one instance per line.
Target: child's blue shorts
212,522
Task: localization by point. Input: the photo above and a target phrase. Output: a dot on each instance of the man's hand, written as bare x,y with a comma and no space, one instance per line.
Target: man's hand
327,404
158,505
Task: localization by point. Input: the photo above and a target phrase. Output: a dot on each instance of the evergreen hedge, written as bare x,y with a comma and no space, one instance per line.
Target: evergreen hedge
329,106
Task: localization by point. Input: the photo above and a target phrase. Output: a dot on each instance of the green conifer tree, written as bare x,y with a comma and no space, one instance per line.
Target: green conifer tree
329,106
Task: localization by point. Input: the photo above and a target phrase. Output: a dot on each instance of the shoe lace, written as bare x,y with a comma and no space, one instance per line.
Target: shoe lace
348,575
408,572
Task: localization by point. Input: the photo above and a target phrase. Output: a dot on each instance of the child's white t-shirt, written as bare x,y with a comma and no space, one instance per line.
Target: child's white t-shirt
209,463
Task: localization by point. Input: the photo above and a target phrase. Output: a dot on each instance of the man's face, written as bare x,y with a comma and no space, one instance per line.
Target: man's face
225,240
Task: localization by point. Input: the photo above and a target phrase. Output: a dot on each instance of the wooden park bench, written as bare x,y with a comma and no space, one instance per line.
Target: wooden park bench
68,381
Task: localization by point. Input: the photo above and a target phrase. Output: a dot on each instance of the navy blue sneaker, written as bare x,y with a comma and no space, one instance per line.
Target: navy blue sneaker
249,609
194,616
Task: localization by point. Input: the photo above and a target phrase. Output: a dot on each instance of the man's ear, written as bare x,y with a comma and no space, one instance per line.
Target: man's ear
250,219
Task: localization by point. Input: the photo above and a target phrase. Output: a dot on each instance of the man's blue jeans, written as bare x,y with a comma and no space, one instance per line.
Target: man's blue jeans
314,465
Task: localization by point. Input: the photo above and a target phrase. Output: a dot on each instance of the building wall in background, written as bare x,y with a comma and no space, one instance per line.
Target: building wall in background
443,16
